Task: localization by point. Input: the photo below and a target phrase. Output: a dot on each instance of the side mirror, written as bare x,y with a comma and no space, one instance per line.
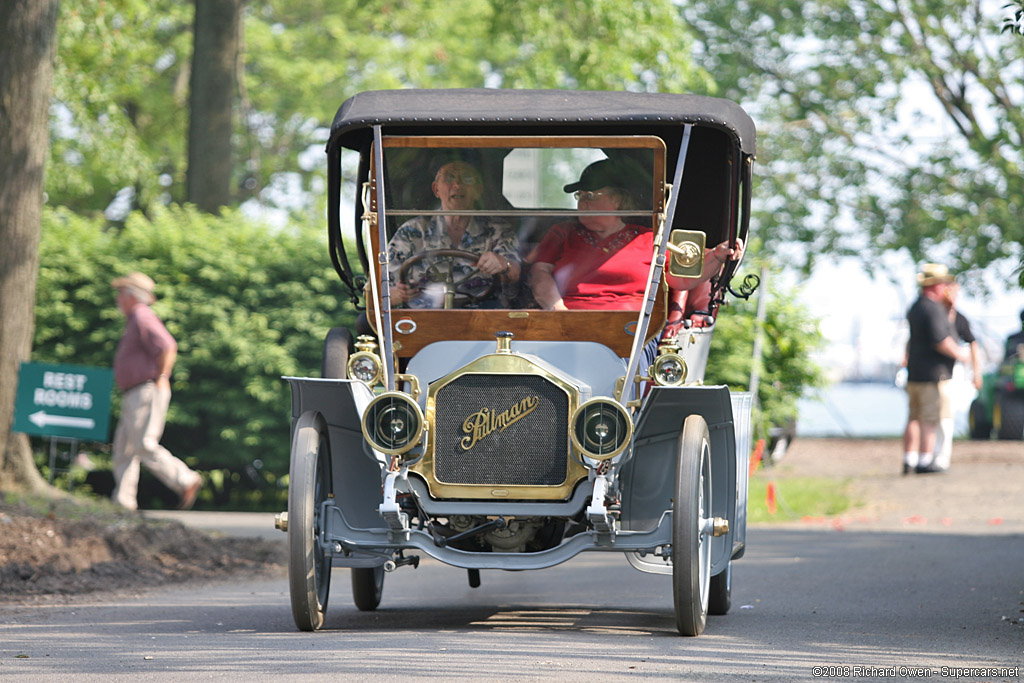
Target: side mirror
686,253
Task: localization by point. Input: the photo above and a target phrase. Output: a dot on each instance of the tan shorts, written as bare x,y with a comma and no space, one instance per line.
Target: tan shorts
929,401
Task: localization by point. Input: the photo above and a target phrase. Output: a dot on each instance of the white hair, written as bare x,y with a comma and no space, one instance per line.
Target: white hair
139,294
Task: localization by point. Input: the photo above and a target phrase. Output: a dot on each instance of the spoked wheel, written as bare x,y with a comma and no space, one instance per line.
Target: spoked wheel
367,587
309,567
691,528
720,598
442,263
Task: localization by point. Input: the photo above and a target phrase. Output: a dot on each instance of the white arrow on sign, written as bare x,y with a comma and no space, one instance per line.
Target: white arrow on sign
41,419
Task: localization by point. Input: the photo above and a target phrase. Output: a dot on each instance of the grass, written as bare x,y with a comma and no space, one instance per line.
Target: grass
796,497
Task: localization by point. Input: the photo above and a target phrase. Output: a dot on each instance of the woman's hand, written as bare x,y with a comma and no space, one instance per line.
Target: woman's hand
725,252
545,291
714,259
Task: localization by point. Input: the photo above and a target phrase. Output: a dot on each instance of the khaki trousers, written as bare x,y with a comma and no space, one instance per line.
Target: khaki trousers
137,442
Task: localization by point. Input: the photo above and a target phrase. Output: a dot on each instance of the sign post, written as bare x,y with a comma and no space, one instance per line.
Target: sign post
68,401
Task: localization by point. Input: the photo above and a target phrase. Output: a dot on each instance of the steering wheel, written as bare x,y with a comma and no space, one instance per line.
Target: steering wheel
442,271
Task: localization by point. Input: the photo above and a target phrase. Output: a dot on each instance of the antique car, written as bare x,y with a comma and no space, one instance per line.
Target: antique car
473,425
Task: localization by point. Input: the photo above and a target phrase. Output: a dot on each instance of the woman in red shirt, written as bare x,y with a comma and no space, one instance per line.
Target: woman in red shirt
602,262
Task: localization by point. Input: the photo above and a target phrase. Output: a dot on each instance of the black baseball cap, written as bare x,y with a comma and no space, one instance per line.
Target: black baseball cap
603,173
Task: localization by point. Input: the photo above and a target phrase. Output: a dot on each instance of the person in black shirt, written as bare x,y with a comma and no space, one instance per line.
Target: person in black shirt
931,354
940,460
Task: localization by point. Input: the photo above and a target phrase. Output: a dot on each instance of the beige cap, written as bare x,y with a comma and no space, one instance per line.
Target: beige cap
933,274
138,282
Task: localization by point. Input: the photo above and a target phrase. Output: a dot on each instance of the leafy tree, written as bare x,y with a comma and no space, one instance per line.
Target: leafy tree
120,120
1015,24
117,122
836,84
247,304
357,45
587,45
27,44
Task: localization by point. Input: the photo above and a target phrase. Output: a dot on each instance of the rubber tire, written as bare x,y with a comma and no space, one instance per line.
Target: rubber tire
337,347
309,568
367,587
980,427
1011,422
720,598
691,550
367,582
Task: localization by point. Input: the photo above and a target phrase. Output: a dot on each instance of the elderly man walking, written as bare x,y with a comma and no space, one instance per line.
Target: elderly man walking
142,370
931,354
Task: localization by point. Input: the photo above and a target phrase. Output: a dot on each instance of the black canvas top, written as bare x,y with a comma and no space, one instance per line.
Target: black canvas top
490,111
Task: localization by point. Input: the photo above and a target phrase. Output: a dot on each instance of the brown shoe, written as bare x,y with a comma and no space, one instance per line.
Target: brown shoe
188,496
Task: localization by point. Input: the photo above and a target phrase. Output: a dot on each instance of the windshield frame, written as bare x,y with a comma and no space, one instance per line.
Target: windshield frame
611,327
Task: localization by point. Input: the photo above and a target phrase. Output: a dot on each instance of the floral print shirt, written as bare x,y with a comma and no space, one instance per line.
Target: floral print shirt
427,233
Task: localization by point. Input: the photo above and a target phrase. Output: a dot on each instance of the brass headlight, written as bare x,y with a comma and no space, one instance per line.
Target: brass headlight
365,365
601,428
669,370
393,423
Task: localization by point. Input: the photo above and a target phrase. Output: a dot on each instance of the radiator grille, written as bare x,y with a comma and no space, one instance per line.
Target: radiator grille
531,451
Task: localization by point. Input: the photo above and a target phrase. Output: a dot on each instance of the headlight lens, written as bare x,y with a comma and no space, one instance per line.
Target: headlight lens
393,423
364,367
601,428
669,370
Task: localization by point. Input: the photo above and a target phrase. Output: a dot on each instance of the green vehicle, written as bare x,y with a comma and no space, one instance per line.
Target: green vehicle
1000,403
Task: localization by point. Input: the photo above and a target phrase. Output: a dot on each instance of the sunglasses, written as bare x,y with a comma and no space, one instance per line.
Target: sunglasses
588,196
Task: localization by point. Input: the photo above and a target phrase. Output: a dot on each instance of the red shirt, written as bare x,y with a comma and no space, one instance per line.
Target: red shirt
144,339
609,274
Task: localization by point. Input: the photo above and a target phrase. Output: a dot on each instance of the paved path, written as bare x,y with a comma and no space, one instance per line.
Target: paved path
803,598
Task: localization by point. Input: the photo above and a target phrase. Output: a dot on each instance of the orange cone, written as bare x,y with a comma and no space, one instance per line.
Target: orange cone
755,458
769,498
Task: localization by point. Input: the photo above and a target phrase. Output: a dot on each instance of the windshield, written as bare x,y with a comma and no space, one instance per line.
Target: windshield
522,223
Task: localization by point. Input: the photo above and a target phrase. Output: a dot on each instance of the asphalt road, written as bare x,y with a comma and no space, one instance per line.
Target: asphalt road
803,598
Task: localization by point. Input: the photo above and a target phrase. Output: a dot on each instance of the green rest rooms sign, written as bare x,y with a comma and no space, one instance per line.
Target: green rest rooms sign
70,401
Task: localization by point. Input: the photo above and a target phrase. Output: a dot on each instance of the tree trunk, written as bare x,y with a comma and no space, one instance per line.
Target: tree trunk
28,43
212,92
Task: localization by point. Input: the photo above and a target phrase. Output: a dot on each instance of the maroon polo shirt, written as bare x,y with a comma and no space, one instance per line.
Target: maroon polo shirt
144,339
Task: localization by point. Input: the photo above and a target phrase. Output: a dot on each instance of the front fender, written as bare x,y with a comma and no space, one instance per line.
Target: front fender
648,477
356,470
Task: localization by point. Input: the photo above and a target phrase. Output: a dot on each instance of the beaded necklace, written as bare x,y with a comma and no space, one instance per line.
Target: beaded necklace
611,243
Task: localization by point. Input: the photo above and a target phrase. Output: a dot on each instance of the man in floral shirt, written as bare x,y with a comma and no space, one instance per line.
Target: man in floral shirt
459,186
